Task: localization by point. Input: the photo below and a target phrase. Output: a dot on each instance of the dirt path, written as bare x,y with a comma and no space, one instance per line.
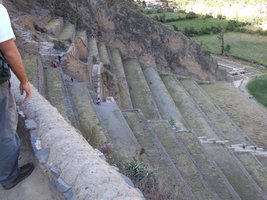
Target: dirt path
241,80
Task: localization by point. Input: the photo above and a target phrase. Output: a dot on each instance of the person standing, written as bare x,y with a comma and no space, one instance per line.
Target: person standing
10,173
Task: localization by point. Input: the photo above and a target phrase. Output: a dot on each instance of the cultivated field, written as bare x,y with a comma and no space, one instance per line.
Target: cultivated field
244,46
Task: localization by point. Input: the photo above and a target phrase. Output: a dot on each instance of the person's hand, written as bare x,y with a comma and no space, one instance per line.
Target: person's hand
26,87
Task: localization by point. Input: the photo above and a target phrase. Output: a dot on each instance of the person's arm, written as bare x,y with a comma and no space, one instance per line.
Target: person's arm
13,57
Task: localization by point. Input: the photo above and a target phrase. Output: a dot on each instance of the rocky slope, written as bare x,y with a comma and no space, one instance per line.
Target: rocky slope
118,25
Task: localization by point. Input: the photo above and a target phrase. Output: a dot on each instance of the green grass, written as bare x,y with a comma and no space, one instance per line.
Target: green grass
169,15
257,87
199,23
244,46
30,62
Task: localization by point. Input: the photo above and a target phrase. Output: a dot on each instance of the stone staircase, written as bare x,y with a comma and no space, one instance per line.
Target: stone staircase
185,137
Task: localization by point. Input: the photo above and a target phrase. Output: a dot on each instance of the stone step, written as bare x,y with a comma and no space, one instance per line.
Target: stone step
84,110
121,82
103,54
68,32
139,90
55,26
182,160
225,129
163,99
83,35
124,144
93,49
172,182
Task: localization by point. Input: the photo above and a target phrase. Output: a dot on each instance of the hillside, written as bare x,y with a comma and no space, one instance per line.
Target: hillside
142,94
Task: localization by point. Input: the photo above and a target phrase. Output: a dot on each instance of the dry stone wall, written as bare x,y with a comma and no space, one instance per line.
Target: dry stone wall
76,169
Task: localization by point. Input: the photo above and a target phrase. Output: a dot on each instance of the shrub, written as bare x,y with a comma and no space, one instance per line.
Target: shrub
207,16
156,17
169,10
138,170
94,60
191,15
159,11
227,48
162,18
59,45
219,16
176,28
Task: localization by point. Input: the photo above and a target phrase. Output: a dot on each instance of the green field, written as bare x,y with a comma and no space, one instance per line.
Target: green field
244,46
169,15
258,88
199,23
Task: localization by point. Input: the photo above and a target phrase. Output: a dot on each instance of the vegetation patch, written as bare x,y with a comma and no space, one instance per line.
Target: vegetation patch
144,178
30,62
237,38
59,45
199,26
257,87
244,46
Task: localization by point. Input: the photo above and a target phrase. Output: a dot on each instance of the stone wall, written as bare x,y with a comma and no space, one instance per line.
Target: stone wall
77,170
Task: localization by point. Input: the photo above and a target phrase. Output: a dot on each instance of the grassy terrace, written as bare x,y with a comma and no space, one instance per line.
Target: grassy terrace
181,159
198,123
258,88
244,46
163,99
68,32
139,90
171,183
248,117
121,84
54,90
240,109
219,119
89,123
30,62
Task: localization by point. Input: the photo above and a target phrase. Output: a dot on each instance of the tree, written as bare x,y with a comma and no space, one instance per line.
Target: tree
227,48
221,39
144,4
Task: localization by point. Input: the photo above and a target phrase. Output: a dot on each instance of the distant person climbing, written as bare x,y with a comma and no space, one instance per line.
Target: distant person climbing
10,173
55,64
59,59
98,101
